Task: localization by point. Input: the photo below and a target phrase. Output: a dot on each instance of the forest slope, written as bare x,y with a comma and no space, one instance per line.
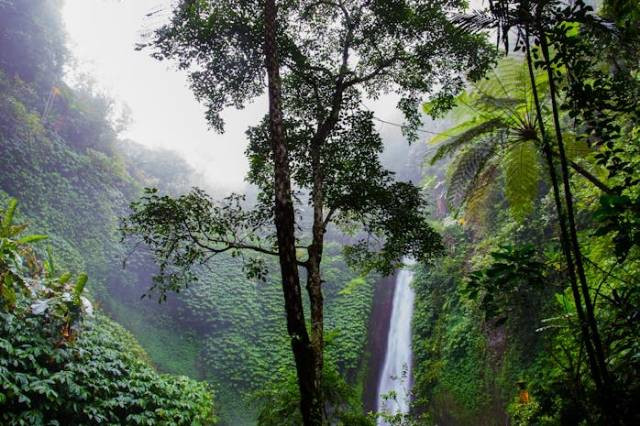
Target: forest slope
74,177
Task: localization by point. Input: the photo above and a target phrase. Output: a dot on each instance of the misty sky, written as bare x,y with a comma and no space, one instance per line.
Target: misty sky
102,35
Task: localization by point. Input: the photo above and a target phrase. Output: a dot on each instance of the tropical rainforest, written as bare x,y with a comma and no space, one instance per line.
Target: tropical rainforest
474,260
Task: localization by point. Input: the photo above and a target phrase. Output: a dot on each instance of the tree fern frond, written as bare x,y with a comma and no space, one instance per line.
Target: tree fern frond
505,78
467,167
498,103
522,174
510,79
476,208
455,131
454,143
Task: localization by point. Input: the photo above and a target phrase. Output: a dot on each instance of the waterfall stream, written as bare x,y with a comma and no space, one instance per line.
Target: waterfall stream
395,381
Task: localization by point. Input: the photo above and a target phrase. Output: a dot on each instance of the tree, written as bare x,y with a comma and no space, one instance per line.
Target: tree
331,55
306,355
499,132
551,34
32,41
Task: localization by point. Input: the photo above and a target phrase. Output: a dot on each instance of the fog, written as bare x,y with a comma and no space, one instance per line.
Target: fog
102,35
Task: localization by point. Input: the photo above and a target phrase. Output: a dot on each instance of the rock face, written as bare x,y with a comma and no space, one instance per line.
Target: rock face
377,339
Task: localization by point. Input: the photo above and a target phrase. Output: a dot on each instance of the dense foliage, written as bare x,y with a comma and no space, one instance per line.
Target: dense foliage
74,176
503,329
32,40
76,196
321,59
61,362
501,326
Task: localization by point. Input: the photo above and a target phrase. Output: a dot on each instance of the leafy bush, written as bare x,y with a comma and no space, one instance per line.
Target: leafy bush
281,398
62,364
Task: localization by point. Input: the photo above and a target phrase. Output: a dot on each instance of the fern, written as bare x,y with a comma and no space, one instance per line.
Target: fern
475,210
499,113
469,135
522,174
466,168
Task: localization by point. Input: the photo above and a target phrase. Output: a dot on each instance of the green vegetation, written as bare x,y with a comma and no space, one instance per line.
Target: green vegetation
74,177
317,147
75,196
242,333
523,320
530,316
62,362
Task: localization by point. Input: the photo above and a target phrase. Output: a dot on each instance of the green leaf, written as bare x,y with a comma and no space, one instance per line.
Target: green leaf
522,175
575,147
466,169
7,219
8,294
80,283
64,278
463,135
32,239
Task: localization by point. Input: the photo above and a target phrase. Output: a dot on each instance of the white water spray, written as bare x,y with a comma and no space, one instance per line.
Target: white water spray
395,381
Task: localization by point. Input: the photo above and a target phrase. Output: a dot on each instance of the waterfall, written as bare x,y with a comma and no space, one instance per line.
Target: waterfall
396,373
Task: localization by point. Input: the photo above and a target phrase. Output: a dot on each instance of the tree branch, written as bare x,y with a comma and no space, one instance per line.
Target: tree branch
591,178
326,221
373,74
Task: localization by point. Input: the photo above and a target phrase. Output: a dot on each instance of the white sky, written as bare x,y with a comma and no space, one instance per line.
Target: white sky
102,35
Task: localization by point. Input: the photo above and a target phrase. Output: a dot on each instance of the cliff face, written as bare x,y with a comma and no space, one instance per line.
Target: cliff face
377,339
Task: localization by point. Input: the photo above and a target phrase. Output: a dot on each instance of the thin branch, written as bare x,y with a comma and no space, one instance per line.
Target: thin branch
327,219
373,74
601,269
590,177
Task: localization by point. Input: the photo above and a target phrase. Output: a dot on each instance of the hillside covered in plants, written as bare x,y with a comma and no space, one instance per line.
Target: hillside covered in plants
74,178
436,219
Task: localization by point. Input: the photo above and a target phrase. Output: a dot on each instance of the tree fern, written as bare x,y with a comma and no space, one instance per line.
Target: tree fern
498,112
475,209
522,175
466,169
469,134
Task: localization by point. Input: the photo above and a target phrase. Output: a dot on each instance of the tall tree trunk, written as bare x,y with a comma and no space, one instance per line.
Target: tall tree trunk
590,315
314,278
564,235
305,359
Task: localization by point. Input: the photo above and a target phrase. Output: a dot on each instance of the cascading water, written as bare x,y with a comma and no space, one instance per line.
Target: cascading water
395,380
